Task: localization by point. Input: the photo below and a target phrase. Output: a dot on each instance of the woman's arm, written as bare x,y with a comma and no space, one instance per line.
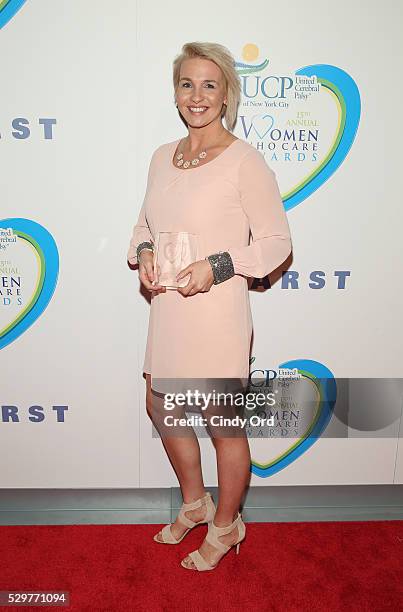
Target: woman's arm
141,231
141,234
261,200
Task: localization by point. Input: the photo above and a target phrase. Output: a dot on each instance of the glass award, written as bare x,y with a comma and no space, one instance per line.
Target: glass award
173,252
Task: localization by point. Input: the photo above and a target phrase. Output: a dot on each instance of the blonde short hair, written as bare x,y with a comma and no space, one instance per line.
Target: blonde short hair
225,61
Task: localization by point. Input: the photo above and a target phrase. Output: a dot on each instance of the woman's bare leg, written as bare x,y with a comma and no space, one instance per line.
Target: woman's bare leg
184,455
233,470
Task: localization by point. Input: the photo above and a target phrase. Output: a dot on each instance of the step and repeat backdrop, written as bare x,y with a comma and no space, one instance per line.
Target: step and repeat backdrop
86,97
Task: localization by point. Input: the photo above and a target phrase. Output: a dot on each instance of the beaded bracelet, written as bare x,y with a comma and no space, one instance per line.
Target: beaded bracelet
144,245
222,266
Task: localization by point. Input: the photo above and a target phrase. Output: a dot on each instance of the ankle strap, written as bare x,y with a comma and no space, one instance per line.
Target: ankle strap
219,531
197,503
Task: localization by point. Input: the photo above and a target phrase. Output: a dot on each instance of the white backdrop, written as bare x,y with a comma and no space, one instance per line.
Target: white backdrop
91,84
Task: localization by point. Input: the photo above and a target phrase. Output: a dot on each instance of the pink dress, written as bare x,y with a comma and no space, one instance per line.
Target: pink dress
222,201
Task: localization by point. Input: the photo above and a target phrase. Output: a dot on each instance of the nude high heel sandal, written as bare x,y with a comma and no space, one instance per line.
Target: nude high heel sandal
166,533
212,536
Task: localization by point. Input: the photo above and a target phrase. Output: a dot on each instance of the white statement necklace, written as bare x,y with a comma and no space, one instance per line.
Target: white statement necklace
193,162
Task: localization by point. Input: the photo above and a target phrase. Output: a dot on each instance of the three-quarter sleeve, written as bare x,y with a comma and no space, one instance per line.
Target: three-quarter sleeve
261,201
141,231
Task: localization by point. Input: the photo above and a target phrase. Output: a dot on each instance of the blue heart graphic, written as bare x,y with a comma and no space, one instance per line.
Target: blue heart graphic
48,263
326,386
262,117
8,9
346,93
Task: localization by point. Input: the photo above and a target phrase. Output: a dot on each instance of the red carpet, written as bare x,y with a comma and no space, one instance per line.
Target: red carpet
282,567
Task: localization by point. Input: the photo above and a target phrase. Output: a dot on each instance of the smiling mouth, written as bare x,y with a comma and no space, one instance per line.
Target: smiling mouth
197,110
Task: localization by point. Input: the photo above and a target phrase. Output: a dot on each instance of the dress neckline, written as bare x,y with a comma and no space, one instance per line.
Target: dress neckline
175,144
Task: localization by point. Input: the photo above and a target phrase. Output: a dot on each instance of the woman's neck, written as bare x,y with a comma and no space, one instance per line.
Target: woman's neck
199,138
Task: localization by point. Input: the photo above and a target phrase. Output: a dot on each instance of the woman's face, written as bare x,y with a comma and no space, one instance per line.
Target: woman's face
201,86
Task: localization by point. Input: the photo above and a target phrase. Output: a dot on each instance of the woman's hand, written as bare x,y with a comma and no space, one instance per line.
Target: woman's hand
201,277
146,272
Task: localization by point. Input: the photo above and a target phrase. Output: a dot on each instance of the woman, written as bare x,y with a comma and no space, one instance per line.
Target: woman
220,188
